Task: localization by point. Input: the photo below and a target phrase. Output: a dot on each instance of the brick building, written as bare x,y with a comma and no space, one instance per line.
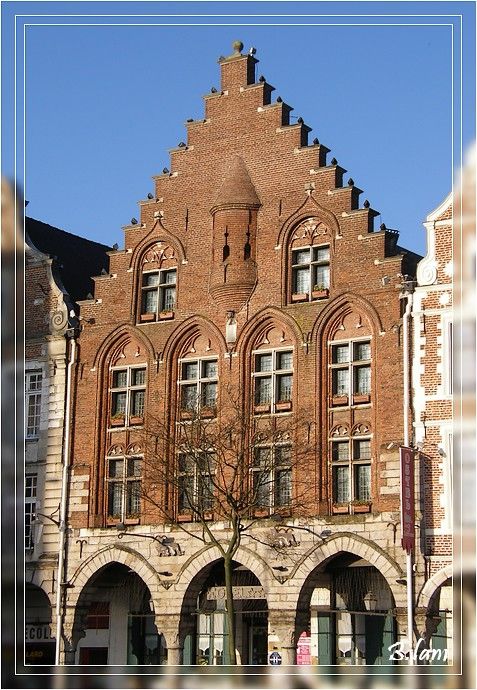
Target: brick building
433,417
254,269
57,269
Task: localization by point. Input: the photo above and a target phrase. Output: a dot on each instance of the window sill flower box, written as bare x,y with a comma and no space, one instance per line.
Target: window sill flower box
339,400
136,420
361,507
150,316
261,513
208,515
320,293
187,414
283,406
340,508
166,315
118,421
262,408
300,297
208,412
361,398
184,517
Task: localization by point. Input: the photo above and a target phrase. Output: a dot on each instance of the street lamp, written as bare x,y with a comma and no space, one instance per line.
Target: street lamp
370,601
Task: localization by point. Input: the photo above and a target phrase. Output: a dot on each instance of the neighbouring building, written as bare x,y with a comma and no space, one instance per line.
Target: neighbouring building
433,324
57,269
253,268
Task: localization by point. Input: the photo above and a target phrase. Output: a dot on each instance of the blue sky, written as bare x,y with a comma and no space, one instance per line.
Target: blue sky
104,103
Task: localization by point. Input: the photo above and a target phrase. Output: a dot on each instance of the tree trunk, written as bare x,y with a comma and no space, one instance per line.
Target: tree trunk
230,612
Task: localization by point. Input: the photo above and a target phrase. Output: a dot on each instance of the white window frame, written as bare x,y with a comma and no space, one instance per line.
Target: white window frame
194,474
160,289
274,375
129,389
272,471
200,383
124,481
31,486
313,265
32,431
351,366
351,463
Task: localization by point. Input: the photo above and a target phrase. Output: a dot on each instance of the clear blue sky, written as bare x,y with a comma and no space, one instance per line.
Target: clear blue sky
104,103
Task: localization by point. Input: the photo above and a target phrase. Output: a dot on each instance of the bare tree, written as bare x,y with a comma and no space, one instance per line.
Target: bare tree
225,466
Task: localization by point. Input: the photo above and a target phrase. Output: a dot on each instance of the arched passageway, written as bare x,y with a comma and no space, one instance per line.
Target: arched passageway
39,644
203,618
115,621
345,614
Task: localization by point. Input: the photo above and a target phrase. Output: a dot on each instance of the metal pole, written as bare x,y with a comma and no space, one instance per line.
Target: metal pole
409,583
63,504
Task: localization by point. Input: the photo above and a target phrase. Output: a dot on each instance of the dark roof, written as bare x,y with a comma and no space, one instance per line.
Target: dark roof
77,259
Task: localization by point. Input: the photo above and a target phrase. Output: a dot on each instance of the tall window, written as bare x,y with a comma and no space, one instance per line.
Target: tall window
30,508
124,488
128,394
196,487
33,380
271,476
351,469
198,386
158,294
273,380
351,372
310,272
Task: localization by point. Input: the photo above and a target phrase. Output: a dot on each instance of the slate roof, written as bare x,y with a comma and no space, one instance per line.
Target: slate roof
77,259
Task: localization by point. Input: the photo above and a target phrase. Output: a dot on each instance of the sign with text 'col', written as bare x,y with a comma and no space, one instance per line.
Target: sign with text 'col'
406,457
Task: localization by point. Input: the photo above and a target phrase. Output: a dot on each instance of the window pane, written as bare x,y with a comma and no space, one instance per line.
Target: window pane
362,450
209,394
301,280
33,414
322,253
133,497
30,486
134,467
189,371
362,482
115,499
116,468
120,379
301,256
119,404
149,302
322,276
150,279
186,488
209,369
282,455
284,360
263,390
262,489
340,354
340,382
33,382
169,277
168,298
284,386
205,491
189,397
137,403
340,484
363,380
138,377
262,457
282,487
340,450
362,351
263,362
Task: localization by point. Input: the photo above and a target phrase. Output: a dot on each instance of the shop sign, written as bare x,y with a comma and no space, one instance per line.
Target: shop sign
407,499
36,632
239,592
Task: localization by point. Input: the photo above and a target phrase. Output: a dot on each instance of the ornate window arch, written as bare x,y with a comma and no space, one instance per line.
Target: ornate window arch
309,259
157,282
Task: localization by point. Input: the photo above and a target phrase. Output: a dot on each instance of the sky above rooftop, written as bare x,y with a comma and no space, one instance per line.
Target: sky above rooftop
107,96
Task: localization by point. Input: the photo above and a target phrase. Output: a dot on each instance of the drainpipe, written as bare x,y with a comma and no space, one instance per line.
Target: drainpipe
407,294
64,490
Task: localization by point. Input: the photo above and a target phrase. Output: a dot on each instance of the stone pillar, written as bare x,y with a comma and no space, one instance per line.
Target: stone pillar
168,625
282,636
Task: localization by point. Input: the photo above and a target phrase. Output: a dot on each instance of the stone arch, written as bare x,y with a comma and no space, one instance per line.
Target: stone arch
187,329
115,339
269,316
310,207
113,554
157,231
338,307
38,580
432,585
359,546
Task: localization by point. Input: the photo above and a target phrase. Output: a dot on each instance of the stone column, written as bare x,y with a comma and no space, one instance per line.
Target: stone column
168,625
281,625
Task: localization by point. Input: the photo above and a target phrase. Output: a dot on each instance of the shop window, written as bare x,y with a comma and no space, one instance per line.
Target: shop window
124,477
272,477
30,508
33,382
273,381
196,483
310,273
350,370
198,387
158,294
127,396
